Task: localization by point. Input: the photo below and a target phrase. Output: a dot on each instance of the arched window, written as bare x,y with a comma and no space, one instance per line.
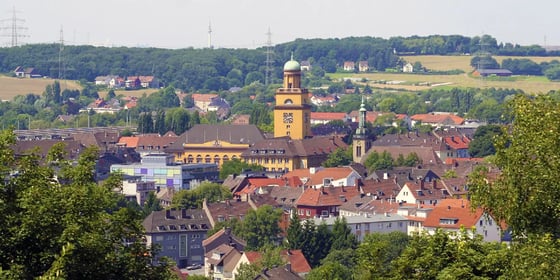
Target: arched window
190,159
226,158
288,101
217,159
207,159
198,159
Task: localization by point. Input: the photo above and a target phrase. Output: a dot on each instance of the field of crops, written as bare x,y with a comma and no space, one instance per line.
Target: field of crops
11,87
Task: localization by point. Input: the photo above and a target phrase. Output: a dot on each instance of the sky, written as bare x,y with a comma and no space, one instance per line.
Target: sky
245,23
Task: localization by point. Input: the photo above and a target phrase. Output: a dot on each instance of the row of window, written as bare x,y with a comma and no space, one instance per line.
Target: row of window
207,159
269,160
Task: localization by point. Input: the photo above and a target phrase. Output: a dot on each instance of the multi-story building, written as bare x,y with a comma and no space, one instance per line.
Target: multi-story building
134,189
178,234
165,172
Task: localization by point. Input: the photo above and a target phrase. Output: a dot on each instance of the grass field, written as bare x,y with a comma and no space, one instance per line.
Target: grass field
135,93
415,82
11,87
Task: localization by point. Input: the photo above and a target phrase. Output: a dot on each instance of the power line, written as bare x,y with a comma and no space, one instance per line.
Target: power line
15,27
269,59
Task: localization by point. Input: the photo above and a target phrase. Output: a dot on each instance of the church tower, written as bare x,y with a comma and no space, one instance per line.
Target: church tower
360,143
292,113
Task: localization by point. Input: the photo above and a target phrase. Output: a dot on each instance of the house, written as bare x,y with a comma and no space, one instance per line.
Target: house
363,66
242,119
295,261
145,144
178,233
220,106
455,147
148,82
137,190
223,236
349,66
316,177
72,148
408,68
29,72
222,262
132,82
422,192
305,65
323,201
492,72
453,214
437,119
278,273
325,117
221,211
330,100
203,100
361,225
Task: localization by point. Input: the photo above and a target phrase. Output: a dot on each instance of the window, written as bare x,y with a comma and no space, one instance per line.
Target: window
389,225
307,212
324,213
358,226
480,222
183,245
159,237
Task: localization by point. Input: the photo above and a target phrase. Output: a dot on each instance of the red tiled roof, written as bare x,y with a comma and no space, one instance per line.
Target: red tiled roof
438,118
129,141
336,173
206,97
328,196
296,259
456,142
453,209
327,116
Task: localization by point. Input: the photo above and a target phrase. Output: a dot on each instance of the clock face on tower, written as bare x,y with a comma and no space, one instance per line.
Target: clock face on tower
288,117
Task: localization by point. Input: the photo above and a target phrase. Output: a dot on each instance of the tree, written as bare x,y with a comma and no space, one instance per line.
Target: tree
236,166
483,144
295,232
376,161
376,252
526,194
70,227
193,198
260,227
331,271
342,236
339,157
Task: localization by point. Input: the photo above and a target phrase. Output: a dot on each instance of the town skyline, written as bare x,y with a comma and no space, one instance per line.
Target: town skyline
244,24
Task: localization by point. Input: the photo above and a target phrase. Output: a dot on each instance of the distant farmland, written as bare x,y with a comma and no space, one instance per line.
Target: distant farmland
11,87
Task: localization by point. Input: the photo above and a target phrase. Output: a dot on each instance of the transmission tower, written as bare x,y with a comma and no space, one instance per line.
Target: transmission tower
15,28
209,35
269,59
60,61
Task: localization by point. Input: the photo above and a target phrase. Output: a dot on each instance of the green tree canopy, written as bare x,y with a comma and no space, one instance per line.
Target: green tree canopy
193,198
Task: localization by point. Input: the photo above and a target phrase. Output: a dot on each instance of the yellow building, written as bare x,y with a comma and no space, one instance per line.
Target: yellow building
217,144
292,113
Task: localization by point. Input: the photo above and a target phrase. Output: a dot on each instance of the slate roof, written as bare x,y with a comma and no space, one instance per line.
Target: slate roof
427,155
202,133
72,147
176,221
315,146
227,210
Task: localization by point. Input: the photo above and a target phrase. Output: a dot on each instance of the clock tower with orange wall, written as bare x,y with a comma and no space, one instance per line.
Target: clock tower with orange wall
292,113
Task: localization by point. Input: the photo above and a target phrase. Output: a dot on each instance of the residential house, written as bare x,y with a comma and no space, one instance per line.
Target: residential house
179,234
242,119
323,201
132,82
408,68
223,236
278,273
165,172
222,262
146,144
220,106
148,82
456,187
453,214
203,100
437,119
326,117
214,143
455,147
363,66
329,100
416,216
361,225
19,72
422,192
222,211
376,197
295,261
134,189
316,177
305,65
29,72
349,66
286,154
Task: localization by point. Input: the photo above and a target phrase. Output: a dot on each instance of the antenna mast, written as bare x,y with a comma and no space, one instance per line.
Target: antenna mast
60,49
15,28
210,35
269,60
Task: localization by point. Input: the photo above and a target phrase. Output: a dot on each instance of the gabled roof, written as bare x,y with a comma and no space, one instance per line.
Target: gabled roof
228,209
318,145
203,97
327,196
427,190
457,143
181,220
129,141
453,209
316,177
295,258
202,133
223,236
444,119
327,116
427,155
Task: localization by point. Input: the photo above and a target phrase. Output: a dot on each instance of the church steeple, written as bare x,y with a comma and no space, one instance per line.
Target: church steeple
360,142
